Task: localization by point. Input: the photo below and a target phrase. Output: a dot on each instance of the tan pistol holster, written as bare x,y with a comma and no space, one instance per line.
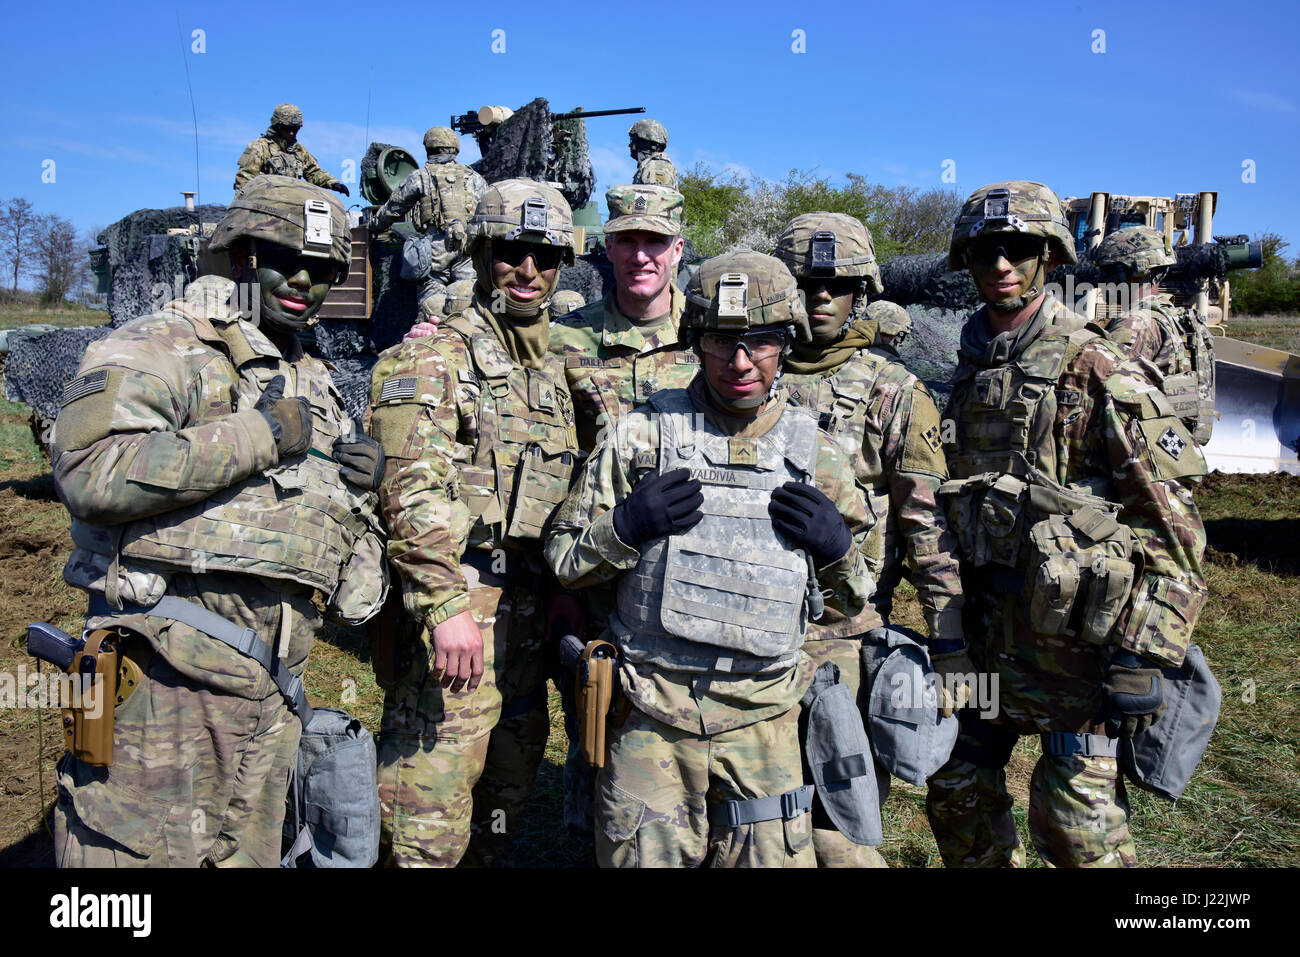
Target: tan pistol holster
106,679
597,673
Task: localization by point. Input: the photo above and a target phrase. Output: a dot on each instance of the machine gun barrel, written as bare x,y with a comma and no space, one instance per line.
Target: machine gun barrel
585,114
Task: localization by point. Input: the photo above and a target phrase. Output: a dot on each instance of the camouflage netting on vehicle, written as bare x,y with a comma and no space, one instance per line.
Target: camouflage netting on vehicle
930,350
142,255
525,146
589,276
925,279
39,364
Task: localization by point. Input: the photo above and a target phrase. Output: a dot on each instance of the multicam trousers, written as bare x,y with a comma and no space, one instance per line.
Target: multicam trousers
456,768
657,797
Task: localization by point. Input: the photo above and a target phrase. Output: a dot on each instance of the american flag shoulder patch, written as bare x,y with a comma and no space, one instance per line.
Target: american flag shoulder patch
398,387
85,385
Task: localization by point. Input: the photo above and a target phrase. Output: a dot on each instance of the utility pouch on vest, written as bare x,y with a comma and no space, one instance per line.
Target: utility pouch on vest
838,757
908,735
1162,758
1080,574
540,486
1002,520
417,257
595,678
363,582
332,813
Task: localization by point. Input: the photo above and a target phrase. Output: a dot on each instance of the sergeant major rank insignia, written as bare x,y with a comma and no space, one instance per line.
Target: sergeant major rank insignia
639,204
1172,442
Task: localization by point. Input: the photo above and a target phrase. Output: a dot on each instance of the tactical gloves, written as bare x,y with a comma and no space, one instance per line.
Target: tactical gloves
290,419
811,520
362,460
956,671
664,504
340,188
1135,695
455,235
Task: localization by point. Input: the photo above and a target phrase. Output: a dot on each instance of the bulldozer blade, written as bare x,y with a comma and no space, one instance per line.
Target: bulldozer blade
1257,401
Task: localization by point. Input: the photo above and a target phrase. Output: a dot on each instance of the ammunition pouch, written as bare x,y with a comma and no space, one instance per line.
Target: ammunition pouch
541,482
837,756
908,735
986,513
1162,758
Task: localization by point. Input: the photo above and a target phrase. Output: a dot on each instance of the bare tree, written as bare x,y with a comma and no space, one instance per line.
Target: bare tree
62,265
18,223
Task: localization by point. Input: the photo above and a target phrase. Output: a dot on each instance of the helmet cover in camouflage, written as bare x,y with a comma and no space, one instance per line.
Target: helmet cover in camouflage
744,290
651,132
286,114
459,296
1014,206
655,209
891,318
290,213
523,210
829,244
566,301
442,139
1137,250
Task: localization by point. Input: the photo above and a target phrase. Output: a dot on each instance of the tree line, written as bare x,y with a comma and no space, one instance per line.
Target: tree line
1273,287
42,247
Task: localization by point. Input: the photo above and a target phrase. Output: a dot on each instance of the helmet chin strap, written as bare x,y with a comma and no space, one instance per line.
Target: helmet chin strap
525,313
1031,291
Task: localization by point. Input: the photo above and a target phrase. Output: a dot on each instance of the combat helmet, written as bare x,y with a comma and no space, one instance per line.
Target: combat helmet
566,301
523,210
651,133
286,114
891,319
441,139
743,290
291,213
1134,253
1014,206
830,245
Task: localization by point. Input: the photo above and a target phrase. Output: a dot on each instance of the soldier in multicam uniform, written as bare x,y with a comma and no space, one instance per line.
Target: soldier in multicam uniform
209,465
1081,546
885,421
697,506
647,140
892,324
1176,340
478,427
617,353
440,196
278,152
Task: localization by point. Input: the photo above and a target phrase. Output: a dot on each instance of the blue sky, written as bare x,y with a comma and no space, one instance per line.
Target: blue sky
1181,97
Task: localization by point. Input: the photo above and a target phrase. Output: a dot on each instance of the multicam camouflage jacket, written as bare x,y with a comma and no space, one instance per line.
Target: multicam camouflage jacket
1048,447
266,155
167,467
1181,347
584,549
607,366
656,170
440,191
463,427
884,419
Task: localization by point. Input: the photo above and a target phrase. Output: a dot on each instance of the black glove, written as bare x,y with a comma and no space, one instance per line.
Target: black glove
811,520
340,188
290,419
665,504
362,460
1135,695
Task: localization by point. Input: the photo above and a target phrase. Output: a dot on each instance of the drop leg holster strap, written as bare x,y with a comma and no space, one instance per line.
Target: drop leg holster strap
1066,744
779,807
243,640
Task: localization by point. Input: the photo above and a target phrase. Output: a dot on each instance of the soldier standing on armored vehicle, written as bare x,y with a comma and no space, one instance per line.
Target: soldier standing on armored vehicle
617,353
1081,546
441,196
278,152
215,485
1173,338
698,506
478,427
647,140
884,420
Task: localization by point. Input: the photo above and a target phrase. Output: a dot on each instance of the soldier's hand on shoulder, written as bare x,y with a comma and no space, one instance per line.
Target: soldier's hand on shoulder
805,515
361,459
290,419
426,327
1135,695
458,653
664,504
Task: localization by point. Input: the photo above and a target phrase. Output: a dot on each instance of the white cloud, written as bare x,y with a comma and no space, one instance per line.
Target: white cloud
1264,101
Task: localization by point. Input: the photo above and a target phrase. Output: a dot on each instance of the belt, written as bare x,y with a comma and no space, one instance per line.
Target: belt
778,807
